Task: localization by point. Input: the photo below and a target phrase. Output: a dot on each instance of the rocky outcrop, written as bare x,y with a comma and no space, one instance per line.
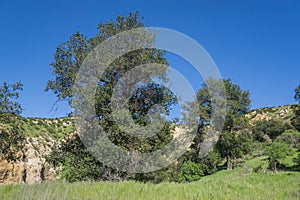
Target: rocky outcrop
25,161
32,168
283,113
11,172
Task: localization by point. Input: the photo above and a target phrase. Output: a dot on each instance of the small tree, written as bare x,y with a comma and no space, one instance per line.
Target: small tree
191,171
234,140
296,119
297,94
9,93
298,159
12,144
210,162
276,152
232,145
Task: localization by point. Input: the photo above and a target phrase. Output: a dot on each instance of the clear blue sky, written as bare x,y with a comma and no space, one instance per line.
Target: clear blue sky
256,43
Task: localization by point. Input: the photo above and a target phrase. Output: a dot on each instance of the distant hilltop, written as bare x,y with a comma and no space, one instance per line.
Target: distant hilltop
283,113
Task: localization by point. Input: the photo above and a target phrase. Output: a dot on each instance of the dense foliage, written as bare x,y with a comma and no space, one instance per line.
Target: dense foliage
277,151
12,144
191,171
265,130
9,94
77,163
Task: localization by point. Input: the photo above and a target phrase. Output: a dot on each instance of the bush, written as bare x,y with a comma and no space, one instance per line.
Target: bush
259,148
290,137
170,174
295,121
276,152
271,128
210,162
298,159
262,168
78,164
191,171
12,142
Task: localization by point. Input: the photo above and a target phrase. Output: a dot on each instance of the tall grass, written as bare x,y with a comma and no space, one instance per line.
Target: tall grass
222,185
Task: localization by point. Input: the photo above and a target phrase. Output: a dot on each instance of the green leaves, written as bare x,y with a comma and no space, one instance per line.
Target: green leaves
235,139
277,151
232,145
264,129
77,163
9,94
191,171
68,59
12,144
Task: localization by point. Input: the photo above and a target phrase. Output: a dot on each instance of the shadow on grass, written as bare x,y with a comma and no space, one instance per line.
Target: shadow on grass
295,168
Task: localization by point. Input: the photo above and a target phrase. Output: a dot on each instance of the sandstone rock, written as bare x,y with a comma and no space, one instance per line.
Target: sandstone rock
11,172
33,168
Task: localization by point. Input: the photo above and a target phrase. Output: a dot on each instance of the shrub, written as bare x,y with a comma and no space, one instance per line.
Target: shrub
191,171
295,121
271,128
276,152
77,163
11,143
210,162
290,137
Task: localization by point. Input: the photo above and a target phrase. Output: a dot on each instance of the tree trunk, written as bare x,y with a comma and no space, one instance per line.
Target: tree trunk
273,165
229,163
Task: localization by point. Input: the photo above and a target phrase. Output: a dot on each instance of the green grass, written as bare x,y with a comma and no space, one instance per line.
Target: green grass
222,185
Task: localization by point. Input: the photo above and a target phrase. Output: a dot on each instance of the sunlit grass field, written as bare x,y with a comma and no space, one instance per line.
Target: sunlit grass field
222,185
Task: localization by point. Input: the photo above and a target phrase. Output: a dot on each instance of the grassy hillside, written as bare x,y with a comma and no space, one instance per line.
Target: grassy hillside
34,127
236,184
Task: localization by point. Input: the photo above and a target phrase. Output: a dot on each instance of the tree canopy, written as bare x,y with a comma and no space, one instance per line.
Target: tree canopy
70,55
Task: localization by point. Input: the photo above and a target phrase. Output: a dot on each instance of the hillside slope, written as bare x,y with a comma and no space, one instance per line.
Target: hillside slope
30,165
283,113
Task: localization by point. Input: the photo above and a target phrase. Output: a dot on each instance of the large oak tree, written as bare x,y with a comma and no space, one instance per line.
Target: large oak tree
68,59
